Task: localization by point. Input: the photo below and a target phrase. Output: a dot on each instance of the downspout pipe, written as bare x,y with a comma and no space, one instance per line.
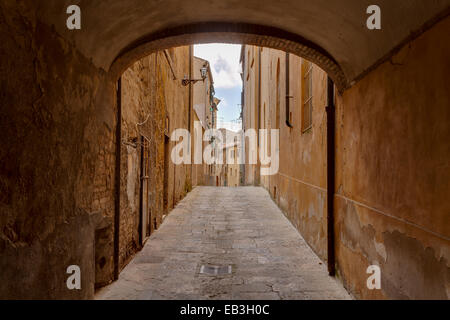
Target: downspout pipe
331,165
117,180
288,89
141,195
190,111
259,92
258,166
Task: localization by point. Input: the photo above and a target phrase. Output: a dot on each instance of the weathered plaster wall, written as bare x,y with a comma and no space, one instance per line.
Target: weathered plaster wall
250,77
56,163
175,98
151,91
202,110
393,174
392,168
301,181
299,187
136,105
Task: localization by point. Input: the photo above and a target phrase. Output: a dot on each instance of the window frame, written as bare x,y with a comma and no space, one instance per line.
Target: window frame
307,90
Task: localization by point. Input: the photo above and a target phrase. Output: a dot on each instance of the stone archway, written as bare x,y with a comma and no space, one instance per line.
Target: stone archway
211,32
57,162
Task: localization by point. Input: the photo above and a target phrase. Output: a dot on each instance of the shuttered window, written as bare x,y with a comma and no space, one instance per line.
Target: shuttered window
307,93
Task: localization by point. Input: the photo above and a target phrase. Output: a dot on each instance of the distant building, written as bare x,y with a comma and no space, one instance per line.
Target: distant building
205,106
229,172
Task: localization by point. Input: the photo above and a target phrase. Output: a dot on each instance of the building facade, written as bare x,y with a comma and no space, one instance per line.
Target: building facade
288,93
154,104
298,112
205,118
230,168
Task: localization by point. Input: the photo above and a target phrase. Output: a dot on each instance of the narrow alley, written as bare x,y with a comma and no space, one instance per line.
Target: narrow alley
215,150
214,229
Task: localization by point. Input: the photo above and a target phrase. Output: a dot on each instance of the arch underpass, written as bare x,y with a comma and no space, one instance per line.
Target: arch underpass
110,29
59,169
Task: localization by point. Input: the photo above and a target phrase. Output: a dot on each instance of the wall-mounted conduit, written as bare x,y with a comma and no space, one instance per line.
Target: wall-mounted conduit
288,96
117,180
331,116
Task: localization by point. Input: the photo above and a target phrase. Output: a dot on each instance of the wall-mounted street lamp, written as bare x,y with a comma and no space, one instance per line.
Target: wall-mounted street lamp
203,72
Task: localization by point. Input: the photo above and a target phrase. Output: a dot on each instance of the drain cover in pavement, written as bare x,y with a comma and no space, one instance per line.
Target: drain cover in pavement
215,270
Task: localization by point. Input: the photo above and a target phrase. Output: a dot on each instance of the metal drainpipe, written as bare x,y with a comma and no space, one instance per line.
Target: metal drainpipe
288,97
141,195
244,180
117,180
259,93
190,125
331,118
258,167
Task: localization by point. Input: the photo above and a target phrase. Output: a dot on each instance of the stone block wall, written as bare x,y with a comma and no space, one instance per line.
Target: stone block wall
56,163
152,97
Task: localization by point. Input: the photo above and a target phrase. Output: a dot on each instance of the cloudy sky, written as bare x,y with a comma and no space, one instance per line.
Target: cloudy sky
224,60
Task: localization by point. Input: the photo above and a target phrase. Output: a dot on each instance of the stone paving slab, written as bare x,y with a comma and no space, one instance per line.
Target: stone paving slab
218,226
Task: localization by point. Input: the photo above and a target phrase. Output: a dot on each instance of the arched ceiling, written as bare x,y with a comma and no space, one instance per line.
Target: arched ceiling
335,27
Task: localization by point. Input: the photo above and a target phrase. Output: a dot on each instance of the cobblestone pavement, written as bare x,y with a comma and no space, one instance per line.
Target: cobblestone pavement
212,229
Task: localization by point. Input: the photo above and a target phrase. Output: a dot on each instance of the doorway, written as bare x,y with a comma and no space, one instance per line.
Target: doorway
166,174
145,211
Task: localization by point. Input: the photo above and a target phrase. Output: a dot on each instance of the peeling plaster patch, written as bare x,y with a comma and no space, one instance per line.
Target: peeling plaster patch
357,237
284,203
412,271
381,249
306,155
409,270
131,181
321,203
311,211
296,214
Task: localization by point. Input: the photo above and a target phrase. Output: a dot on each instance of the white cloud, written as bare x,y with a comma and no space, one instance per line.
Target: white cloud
224,60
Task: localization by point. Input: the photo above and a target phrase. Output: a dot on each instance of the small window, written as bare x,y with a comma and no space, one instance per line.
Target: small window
248,65
307,94
278,98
